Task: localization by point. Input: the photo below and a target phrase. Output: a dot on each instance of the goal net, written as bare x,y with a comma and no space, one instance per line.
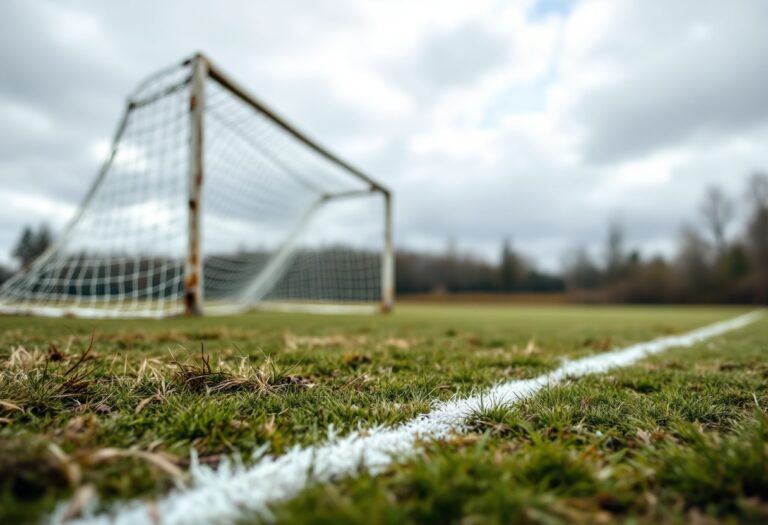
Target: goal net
210,202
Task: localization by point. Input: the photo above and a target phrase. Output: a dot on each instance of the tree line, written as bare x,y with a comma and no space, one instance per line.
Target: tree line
714,261
419,272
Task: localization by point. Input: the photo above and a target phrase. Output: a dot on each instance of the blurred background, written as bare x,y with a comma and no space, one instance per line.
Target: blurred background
538,150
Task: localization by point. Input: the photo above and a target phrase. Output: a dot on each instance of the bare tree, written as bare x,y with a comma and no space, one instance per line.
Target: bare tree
692,263
757,189
579,270
757,232
717,210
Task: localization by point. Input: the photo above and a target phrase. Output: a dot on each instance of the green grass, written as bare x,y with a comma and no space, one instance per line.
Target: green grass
639,444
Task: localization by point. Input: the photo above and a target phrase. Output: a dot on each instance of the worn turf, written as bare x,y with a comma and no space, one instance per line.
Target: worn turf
118,416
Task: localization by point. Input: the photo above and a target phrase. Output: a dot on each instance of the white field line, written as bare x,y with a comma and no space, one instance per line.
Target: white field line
233,491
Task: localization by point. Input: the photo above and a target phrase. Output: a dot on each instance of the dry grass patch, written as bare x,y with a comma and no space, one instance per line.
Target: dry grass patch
268,378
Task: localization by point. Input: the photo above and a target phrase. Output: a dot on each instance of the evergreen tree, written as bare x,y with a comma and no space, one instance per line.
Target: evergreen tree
511,268
31,244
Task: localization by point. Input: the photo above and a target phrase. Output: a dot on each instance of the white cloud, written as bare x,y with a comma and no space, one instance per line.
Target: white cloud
655,170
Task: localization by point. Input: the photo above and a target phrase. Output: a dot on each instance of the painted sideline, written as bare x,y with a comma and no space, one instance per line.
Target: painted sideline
233,491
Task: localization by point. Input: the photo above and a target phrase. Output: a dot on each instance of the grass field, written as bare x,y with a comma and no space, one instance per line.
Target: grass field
114,407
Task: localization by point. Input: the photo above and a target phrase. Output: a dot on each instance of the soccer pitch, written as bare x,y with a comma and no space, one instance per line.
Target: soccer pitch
675,437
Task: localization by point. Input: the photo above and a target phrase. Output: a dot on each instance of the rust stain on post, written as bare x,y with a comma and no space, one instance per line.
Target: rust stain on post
387,302
189,302
191,280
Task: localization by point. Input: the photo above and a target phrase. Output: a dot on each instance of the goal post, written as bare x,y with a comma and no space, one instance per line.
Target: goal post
387,259
209,202
193,270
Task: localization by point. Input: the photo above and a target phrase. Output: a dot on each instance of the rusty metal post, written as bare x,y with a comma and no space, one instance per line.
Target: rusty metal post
193,271
388,259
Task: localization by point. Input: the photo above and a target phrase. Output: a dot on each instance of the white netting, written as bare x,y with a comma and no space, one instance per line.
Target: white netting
280,223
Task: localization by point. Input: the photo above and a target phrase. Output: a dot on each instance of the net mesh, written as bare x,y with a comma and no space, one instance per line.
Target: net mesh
281,224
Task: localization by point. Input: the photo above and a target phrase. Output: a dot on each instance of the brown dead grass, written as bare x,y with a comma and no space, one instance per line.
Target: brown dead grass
200,375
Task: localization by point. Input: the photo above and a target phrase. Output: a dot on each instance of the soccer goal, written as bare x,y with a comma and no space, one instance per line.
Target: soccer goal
210,202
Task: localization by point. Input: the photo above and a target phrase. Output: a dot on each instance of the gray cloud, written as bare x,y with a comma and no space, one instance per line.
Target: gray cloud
692,68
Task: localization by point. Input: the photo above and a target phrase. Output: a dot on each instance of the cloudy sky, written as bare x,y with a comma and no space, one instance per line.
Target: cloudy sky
539,120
